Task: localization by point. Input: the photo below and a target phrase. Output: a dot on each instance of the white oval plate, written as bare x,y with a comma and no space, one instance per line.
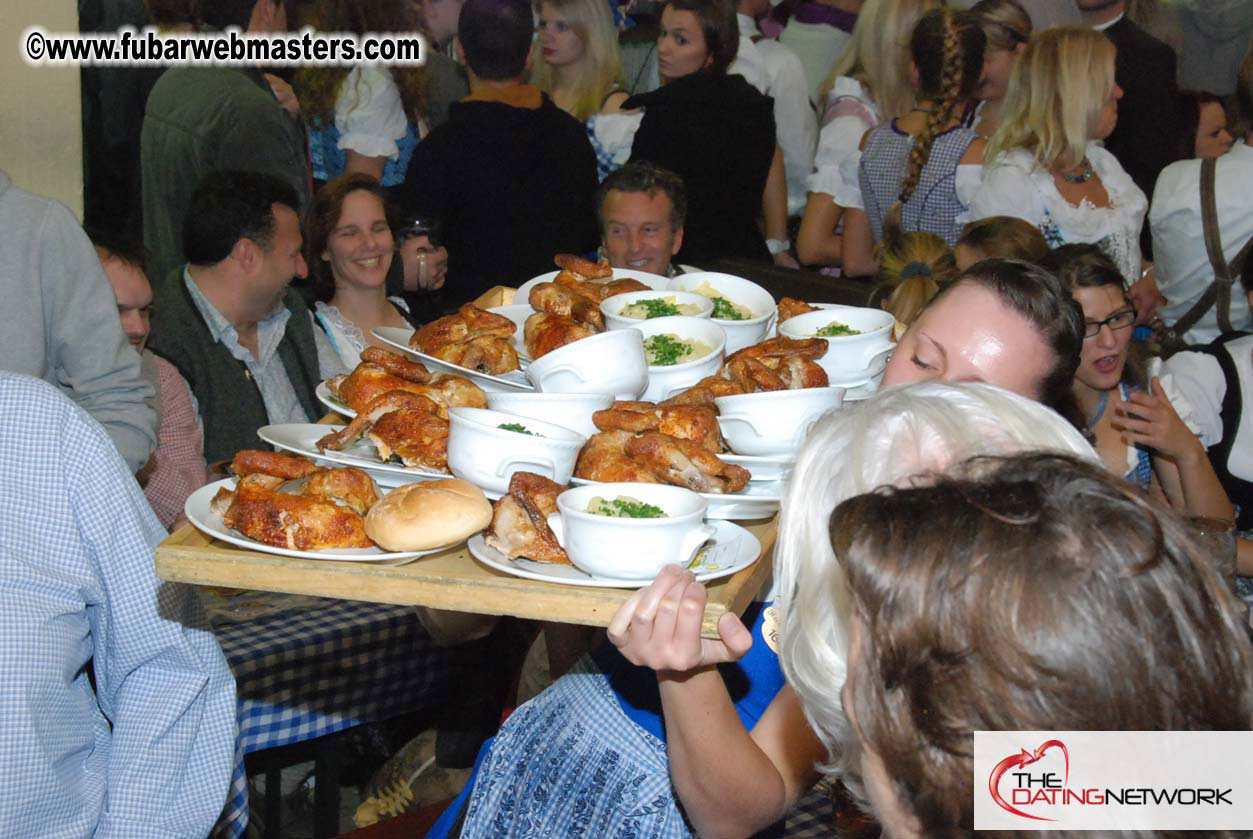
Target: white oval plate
654,281
758,500
762,468
731,549
329,400
398,337
302,438
198,513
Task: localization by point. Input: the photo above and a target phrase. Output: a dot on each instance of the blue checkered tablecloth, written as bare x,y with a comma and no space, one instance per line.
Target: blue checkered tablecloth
325,667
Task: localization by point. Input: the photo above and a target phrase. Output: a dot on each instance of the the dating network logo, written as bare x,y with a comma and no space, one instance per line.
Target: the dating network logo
1046,781
1112,780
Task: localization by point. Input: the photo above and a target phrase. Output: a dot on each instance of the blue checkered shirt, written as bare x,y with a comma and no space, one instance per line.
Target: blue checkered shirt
147,753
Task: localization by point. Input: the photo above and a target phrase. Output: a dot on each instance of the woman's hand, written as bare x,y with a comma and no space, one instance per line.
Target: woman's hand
1149,419
659,626
425,265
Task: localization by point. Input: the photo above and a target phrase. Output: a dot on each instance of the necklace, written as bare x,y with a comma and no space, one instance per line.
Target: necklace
1083,177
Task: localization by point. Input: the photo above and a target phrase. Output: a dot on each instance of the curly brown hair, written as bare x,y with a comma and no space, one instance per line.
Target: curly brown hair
320,87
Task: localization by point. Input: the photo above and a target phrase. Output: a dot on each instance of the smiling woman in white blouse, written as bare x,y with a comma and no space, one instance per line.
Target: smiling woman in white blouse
1045,163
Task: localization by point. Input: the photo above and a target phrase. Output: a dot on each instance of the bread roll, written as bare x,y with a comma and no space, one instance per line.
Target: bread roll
427,515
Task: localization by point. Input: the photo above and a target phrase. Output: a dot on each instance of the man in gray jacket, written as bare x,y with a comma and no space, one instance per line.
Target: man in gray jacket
209,119
59,321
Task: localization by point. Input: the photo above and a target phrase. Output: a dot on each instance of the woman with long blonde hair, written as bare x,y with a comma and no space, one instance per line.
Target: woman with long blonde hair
871,81
1046,165
576,60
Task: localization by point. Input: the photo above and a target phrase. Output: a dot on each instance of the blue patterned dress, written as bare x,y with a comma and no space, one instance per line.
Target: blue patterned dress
587,757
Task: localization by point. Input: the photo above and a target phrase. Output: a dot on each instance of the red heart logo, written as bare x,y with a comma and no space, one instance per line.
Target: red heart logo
1024,758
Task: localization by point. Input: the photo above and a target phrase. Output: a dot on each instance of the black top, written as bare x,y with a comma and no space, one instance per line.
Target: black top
511,186
717,132
1239,490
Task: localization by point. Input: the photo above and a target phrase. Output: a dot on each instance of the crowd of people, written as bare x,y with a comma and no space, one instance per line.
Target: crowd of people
1052,203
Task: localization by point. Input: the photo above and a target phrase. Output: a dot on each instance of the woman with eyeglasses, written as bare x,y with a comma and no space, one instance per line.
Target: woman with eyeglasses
1126,413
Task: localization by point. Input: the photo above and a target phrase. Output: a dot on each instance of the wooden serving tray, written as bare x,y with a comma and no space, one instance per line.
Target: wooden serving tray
451,579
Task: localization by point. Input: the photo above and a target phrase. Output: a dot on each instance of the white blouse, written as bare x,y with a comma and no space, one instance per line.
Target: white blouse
1200,379
855,114
1183,267
344,335
1015,185
369,113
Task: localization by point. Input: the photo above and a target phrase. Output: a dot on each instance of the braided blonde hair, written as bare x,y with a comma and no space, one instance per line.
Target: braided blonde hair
947,48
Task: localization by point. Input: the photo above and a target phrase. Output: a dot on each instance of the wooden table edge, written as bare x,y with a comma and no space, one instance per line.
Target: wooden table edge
451,579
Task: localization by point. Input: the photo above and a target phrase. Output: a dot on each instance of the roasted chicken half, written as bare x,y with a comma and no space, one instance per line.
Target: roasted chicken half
684,463
545,332
695,423
472,338
320,510
371,378
570,303
520,520
774,364
604,458
400,424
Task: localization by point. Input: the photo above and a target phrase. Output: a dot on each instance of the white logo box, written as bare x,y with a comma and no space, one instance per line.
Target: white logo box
1113,780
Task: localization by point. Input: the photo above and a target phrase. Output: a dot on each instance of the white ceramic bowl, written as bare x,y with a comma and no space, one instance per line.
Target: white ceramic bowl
666,380
773,422
626,548
487,456
611,362
849,358
569,410
742,292
612,308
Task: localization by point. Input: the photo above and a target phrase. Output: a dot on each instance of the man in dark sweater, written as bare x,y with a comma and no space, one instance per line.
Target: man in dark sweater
511,176
1149,118
227,320
207,119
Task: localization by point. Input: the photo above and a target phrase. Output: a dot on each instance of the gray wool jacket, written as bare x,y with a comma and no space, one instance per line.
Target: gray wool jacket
206,119
59,321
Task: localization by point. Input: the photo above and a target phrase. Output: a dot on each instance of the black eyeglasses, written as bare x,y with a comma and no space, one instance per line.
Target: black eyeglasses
1118,320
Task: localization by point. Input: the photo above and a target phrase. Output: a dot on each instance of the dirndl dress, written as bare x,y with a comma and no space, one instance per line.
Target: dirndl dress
587,756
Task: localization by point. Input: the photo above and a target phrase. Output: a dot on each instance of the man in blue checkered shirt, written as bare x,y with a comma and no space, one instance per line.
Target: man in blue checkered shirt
117,707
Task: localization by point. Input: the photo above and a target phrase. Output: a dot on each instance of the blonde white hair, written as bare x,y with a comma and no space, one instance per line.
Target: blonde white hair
1057,90
897,436
600,68
878,56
